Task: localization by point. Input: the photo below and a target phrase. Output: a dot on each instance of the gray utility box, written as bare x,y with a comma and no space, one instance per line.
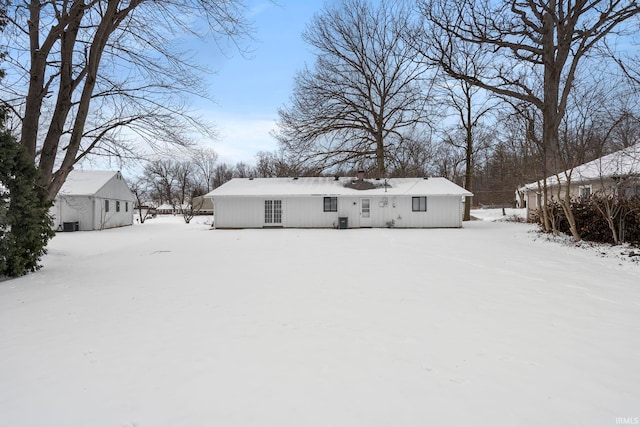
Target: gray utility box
343,222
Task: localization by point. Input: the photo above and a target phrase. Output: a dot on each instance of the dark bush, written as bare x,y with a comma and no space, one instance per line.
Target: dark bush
593,226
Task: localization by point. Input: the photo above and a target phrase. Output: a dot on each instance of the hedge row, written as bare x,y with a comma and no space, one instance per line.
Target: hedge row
592,224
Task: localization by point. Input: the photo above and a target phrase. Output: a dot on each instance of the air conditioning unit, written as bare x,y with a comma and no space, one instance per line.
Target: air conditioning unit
71,226
343,222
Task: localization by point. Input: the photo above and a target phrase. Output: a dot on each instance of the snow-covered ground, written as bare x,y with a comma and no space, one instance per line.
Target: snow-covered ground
168,324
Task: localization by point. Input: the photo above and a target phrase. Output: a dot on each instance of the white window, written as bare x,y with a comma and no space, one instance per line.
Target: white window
117,205
331,204
273,212
419,204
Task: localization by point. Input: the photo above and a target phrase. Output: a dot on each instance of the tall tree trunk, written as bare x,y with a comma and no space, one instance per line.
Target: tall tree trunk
565,201
36,91
468,172
380,163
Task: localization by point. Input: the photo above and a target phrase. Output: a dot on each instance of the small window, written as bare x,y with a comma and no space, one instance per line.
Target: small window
106,206
117,206
331,204
126,206
585,191
419,204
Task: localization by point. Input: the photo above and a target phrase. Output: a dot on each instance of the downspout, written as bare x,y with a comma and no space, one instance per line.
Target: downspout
93,214
213,204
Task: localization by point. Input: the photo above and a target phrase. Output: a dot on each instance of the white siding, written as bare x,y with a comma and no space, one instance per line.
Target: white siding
113,218
238,212
303,212
116,189
308,212
73,209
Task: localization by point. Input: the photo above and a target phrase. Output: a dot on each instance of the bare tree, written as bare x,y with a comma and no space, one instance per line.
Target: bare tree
267,165
535,49
204,160
278,164
242,170
515,160
412,156
221,174
448,162
469,105
162,182
140,189
364,92
89,76
178,183
185,185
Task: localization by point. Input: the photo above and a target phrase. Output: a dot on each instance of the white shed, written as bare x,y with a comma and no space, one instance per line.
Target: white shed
324,202
93,200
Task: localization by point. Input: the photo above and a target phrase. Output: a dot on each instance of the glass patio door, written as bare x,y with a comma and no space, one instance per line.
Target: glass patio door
273,212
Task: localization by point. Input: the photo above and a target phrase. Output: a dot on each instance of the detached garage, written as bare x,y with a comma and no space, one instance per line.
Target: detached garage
340,202
93,200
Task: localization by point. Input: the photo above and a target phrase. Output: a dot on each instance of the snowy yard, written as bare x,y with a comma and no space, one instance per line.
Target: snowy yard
168,324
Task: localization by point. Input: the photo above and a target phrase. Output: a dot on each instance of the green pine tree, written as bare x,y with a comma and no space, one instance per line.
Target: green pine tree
25,224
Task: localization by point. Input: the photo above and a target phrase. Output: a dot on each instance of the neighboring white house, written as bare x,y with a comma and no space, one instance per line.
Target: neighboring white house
615,174
93,200
323,202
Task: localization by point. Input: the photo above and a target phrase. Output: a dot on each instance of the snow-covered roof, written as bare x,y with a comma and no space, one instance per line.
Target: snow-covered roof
86,183
327,186
620,163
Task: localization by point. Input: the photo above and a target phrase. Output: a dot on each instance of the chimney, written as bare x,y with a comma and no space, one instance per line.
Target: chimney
360,175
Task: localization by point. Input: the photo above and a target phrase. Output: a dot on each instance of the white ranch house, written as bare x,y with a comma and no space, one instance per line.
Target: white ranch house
614,174
93,200
340,202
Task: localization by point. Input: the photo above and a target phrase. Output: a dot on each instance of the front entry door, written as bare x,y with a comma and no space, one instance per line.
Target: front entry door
272,213
365,212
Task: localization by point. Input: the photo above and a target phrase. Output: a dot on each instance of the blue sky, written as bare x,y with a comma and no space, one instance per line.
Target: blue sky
248,90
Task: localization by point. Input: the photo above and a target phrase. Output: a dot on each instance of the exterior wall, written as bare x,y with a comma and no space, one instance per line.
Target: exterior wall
89,213
308,212
113,218
238,212
442,212
72,209
303,212
116,190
